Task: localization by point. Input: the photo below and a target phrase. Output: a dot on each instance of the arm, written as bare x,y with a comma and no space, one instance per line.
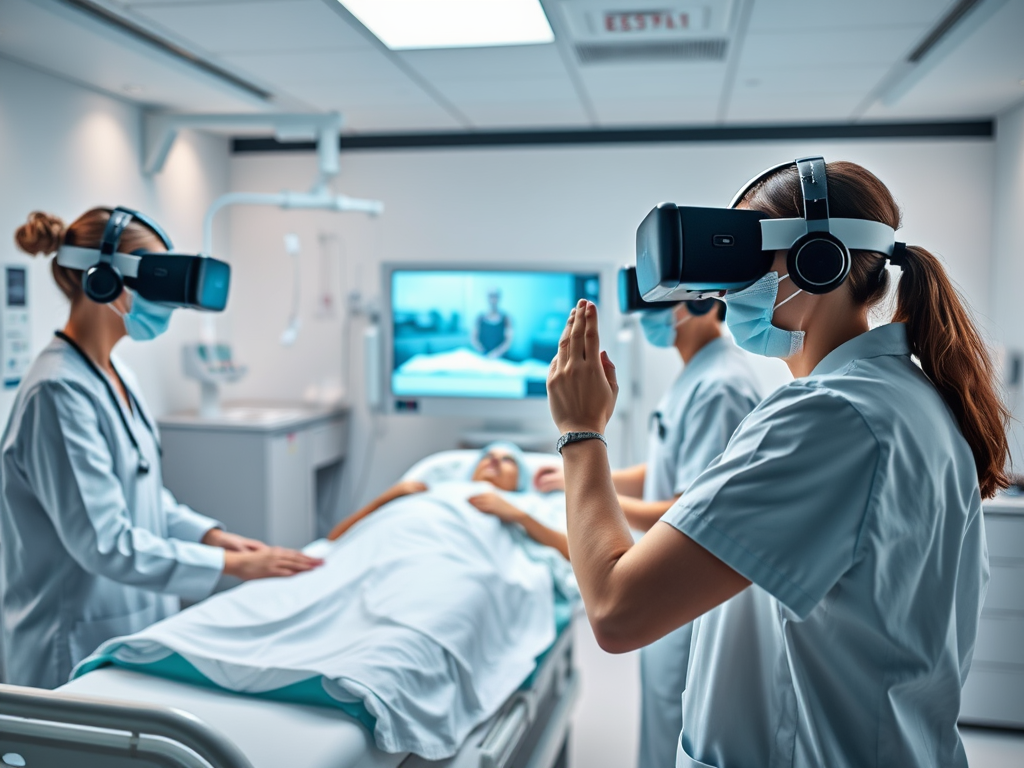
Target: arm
623,585
394,492
642,515
493,504
630,481
474,336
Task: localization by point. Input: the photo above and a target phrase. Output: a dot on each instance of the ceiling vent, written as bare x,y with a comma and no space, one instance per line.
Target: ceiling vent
662,50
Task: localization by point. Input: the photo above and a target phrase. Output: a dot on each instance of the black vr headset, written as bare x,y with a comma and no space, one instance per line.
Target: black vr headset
684,252
178,279
631,301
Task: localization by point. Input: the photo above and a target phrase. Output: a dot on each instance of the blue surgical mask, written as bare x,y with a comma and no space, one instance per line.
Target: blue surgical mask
660,327
750,319
146,319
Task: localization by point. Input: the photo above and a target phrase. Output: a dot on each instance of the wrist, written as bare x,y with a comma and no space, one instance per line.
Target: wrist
212,537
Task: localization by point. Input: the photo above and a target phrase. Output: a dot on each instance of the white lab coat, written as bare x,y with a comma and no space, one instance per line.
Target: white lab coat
850,499
693,423
91,548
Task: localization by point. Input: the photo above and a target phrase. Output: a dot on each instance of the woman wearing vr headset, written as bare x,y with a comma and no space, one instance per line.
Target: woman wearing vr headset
93,545
833,559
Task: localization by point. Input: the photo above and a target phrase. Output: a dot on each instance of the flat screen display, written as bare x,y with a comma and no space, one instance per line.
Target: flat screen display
479,334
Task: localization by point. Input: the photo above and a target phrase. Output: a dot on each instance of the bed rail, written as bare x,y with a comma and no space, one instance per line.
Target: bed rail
35,723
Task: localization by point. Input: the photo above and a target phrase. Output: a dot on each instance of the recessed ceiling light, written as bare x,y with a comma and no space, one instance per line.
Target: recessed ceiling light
405,24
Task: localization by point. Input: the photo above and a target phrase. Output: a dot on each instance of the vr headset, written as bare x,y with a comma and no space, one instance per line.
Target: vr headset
177,279
684,252
631,301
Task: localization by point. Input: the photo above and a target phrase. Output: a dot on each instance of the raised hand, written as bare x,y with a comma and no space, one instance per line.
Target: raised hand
581,381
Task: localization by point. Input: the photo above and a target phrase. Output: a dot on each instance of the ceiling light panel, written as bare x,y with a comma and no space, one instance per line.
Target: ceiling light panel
412,24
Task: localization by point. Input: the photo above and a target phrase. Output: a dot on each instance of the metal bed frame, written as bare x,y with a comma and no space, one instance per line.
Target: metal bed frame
47,729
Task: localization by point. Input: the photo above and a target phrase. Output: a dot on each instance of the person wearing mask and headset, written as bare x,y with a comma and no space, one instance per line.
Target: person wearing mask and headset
695,418
833,558
93,545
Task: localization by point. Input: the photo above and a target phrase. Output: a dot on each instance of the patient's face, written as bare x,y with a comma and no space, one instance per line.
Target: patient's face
499,468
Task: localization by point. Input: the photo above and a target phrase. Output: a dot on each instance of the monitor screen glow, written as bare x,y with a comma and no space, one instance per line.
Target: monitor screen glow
479,333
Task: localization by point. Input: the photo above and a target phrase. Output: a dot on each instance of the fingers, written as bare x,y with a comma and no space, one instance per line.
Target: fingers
579,328
609,372
591,340
563,343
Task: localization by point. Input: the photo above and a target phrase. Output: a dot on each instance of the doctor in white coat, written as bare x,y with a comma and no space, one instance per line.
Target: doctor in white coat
93,545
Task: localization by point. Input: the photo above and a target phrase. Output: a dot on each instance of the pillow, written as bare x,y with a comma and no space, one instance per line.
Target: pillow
456,465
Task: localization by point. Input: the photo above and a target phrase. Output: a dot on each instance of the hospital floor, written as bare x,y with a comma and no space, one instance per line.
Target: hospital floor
605,726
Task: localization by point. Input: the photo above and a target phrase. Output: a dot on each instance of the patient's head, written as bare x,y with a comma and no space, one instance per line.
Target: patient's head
501,464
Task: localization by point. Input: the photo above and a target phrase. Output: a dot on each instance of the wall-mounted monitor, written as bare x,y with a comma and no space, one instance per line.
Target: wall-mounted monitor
476,342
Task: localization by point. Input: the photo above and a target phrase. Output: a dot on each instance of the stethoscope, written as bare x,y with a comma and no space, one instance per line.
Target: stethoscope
144,466
656,419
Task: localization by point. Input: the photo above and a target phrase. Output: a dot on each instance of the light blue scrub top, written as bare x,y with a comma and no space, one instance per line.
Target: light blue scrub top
850,499
696,417
91,549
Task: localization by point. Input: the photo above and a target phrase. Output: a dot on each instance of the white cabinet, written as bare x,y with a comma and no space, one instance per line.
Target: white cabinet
269,472
994,693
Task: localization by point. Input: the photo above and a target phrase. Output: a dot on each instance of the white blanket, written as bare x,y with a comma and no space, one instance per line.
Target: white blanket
429,612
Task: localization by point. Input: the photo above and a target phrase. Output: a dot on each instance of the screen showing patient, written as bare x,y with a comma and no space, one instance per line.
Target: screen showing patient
479,333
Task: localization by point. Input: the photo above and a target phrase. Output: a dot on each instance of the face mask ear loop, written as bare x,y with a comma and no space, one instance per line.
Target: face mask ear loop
684,321
788,298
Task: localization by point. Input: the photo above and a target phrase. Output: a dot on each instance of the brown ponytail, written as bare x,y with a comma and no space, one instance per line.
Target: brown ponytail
953,355
43,233
940,330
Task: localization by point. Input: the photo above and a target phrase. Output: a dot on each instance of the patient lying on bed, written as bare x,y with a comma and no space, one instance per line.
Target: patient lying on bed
501,464
425,617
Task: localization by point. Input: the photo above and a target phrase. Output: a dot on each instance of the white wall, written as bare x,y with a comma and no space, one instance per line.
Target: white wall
65,149
1008,258
524,205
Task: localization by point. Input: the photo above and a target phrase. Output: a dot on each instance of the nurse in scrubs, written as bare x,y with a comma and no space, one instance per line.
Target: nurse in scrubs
833,559
695,418
93,545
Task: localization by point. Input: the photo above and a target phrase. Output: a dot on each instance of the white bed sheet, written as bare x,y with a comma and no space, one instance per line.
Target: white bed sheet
271,734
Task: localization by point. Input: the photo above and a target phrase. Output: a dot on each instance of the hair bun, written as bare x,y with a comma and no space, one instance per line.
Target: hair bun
41,234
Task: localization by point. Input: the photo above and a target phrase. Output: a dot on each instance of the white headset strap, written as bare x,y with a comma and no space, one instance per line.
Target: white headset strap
73,257
856,234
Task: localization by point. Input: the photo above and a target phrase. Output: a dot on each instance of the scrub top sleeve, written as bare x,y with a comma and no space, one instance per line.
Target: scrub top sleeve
784,505
68,463
183,522
710,421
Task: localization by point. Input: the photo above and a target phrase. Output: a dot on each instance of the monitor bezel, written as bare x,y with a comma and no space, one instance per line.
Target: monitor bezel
490,409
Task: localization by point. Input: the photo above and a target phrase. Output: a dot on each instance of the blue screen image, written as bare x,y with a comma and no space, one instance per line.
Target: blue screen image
478,333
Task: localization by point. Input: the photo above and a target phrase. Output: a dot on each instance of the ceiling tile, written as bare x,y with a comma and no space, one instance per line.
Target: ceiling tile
840,47
319,67
552,89
341,95
786,81
382,119
648,112
527,114
830,15
259,27
506,62
980,77
820,108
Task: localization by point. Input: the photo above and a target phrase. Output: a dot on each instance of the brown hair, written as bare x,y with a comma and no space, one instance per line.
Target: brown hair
939,326
43,233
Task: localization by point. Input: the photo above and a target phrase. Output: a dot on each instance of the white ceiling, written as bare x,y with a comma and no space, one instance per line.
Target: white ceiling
789,61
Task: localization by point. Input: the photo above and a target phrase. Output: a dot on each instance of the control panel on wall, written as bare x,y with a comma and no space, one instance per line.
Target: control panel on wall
16,333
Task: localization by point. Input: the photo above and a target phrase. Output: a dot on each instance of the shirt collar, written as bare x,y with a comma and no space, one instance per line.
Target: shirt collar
706,354
888,339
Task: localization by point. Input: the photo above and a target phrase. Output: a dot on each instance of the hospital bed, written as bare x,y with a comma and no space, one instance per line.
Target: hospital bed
115,717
